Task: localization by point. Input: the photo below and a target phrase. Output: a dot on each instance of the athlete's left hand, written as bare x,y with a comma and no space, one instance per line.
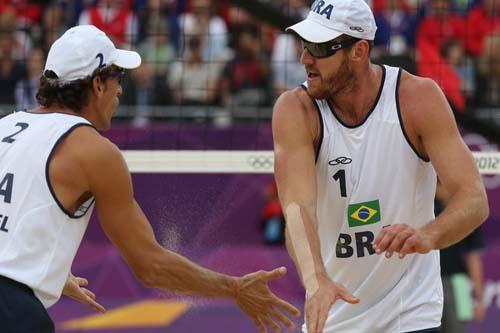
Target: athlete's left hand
402,239
74,288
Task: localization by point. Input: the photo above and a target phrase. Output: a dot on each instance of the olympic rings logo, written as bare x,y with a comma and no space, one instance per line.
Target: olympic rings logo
358,29
340,160
261,161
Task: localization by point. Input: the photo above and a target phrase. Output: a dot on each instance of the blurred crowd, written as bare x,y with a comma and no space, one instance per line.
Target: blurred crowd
208,52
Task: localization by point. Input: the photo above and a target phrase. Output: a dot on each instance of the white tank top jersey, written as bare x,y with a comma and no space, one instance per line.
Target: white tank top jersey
38,237
370,176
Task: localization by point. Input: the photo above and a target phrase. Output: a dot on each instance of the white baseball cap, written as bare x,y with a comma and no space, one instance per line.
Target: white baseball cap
84,48
328,19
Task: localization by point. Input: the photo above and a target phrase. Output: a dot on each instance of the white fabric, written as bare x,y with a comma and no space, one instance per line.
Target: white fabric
328,19
84,48
42,240
379,164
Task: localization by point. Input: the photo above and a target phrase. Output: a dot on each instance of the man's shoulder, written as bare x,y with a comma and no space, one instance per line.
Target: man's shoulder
85,143
414,90
294,100
294,110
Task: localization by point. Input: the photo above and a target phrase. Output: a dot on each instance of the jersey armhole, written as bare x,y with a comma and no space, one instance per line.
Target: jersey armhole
400,117
83,209
321,125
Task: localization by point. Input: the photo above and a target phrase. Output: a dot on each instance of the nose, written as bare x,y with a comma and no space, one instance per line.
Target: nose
120,90
306,58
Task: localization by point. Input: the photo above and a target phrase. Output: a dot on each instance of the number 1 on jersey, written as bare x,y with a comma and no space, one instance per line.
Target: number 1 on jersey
340,176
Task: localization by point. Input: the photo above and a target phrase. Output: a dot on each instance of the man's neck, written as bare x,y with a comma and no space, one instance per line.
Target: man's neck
353,104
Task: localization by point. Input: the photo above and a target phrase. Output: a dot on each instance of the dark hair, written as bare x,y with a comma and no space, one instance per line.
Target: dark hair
73,95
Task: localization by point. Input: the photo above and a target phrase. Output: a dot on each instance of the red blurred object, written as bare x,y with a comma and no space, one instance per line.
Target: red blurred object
115,28
437,31
22,9
479,24
432,65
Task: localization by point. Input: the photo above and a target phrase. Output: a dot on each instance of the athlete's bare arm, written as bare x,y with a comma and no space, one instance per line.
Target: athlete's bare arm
104,173
433,131
296,133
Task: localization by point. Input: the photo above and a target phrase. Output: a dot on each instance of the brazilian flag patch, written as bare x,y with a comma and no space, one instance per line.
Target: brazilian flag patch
363,213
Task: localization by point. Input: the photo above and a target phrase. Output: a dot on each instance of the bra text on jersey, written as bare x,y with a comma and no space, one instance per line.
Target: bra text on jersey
320,8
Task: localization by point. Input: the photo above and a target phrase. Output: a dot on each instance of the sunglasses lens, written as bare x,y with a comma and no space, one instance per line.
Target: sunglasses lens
316,50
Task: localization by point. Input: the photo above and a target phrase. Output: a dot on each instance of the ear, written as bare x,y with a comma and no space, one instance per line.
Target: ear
97,85
360,51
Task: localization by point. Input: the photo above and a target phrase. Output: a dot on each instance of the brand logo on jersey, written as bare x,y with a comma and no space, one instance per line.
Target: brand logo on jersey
340,160
363,213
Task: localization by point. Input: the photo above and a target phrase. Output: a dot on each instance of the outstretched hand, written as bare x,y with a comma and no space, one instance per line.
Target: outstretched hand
264,308
318,305
74,288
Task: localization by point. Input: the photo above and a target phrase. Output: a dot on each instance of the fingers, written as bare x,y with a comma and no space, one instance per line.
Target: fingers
392,239
286,306
88,293
96,306
82,282
271,323
259,324
275,274
348,297
397,242
408,246
282,318
384,238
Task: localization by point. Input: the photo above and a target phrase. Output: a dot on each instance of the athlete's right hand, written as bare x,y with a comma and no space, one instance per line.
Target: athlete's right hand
318,305
265,309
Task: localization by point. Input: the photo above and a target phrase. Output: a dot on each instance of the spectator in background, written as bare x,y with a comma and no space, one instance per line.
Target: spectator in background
441,25
26,88
246,77
273,221
149,86
454,53
115,18
395,29
192,80
209,28
11,71
20,41
169,9
52,26
287,70
488,89
482,20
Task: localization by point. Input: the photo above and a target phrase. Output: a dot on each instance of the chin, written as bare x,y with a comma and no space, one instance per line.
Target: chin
316,93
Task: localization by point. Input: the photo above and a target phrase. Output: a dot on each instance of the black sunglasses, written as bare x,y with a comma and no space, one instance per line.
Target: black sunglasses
327,49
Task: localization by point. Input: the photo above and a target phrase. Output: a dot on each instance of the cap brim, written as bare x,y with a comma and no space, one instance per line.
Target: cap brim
314,32
127,59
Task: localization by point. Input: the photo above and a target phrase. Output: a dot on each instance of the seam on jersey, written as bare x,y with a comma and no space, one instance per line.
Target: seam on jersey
401,120
321,124
381,88
47,179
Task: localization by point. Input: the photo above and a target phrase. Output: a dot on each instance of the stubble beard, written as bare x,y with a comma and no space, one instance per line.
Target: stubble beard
336,84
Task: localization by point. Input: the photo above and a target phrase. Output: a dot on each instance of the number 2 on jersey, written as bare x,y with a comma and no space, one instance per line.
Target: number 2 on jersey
10,138
340,176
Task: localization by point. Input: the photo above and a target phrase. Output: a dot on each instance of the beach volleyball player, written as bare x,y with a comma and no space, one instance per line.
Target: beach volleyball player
55,167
